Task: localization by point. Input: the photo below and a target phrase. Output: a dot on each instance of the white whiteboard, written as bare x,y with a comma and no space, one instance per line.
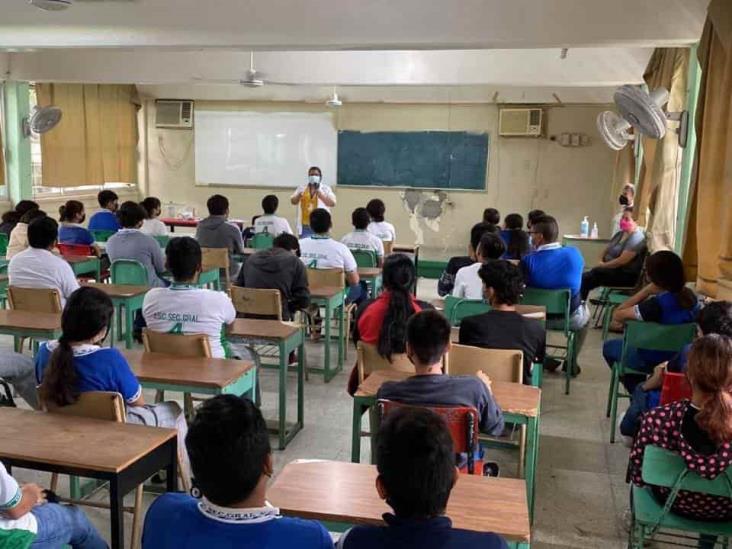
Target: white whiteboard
247,148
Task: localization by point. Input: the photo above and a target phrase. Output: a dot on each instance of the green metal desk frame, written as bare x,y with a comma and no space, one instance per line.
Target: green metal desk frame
91,265
245,385
374,284
131,305
332,304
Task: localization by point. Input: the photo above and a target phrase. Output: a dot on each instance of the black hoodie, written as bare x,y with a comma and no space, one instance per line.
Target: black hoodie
278,269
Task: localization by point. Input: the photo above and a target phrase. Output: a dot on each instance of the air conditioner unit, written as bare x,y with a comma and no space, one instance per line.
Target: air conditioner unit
172,113
520,122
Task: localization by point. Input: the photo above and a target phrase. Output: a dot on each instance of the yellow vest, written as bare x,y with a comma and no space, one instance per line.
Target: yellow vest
308,203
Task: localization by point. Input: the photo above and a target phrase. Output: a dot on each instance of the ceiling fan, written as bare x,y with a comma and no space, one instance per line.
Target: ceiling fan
252,78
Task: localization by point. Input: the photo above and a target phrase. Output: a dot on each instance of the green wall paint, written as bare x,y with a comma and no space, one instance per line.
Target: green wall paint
17,146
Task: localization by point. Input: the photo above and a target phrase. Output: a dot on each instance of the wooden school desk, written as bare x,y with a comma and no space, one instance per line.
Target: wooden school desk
210,376
38,326
85,265
521,405
287,338
121,454
125,296
333,299
345,493
372,277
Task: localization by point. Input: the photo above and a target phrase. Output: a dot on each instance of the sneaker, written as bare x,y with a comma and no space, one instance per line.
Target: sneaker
491,469
551,364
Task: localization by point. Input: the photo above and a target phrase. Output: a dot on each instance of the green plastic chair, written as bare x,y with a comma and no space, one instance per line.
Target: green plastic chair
262,241
162,240
649,336
457,308
557,303
668,469
3,244
128,271
101,236
365,258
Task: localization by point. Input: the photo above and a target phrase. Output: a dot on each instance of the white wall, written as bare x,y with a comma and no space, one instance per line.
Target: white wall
523,173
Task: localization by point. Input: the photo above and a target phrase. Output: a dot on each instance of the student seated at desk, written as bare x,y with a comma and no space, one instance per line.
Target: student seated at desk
492,216
378,227
27,520
320,251
216,232
468,284
130,243
76,363
19,235
17,369
185,309
360,239
71,216
12,217
447,279
553,267
502,327
38,266
106,218
231,460
279,268
152,225
428,340
699,430
515,238
415,461
269,222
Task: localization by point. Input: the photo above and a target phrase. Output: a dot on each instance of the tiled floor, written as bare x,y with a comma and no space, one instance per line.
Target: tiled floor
581,493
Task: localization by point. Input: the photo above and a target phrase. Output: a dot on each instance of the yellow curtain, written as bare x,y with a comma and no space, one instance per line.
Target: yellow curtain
658,189
709,243
96,141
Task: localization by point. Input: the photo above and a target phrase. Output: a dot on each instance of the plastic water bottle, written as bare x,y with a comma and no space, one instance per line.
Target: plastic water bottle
595,232
585,228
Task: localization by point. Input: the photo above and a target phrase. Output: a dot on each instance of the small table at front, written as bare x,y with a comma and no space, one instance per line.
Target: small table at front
332,298
372,276
123,295
45,326
121,454
287,338
174,222
521,405
85,265
345,494
210,376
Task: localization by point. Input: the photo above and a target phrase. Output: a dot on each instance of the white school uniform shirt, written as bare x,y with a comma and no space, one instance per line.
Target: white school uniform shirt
183,309
468,284
38,268
383,229
322,252
24,528
274,225
364,240
327,191
154,227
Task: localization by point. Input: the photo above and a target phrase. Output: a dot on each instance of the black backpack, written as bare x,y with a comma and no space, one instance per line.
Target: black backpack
6,396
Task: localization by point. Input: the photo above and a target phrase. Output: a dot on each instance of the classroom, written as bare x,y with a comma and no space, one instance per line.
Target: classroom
318,275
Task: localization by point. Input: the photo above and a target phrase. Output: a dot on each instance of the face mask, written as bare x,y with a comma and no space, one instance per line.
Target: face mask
623,200
313,179
626,225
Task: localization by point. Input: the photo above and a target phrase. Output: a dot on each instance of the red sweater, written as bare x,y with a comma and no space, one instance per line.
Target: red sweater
370,321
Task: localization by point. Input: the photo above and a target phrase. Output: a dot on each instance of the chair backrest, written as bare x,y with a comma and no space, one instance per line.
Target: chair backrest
557,302
262,241
216,258
100,235
256,301
462,421
463,308
388,247
37,300
665,468
652,336
105,405
318,278
365,258
497,364
369,360
162,239
4,239
675,387
75,250
128,271
191,345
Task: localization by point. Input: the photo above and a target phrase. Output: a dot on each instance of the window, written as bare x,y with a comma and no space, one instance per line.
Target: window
41,191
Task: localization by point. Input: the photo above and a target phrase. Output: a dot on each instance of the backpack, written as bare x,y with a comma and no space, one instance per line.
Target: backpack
6,396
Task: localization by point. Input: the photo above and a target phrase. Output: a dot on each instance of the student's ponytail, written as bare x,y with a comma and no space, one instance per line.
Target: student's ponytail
59,379
399,278
710,374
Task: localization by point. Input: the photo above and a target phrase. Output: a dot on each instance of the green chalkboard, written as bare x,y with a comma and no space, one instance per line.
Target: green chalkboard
428,159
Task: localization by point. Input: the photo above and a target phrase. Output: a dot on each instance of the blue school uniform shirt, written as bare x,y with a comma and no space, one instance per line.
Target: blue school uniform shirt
434,533
178,521
97,369
104,220
553,267
663,308
74,234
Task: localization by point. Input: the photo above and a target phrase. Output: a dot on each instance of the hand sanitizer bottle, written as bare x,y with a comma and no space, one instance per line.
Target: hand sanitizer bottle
594,233
585,228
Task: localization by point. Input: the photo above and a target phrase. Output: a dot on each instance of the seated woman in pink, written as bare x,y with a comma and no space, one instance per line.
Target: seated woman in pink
700,430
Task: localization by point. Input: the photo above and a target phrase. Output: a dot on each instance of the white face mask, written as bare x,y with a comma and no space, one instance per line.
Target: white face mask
313,179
